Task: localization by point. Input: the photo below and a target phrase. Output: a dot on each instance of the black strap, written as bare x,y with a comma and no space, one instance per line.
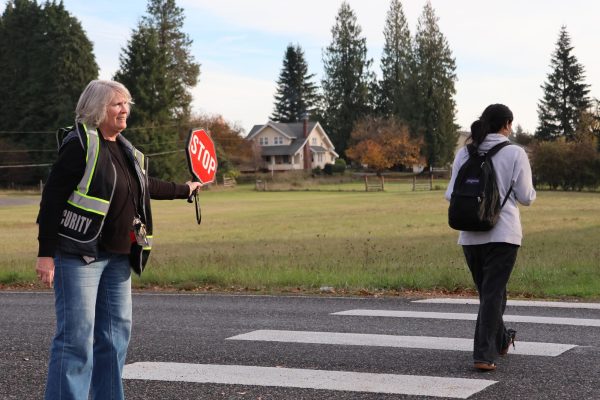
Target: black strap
490,154
507,196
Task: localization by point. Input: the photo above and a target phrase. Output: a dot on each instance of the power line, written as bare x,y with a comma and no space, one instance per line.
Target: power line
142,145
137,128
47,165
28,151
165,152
11,132
24,166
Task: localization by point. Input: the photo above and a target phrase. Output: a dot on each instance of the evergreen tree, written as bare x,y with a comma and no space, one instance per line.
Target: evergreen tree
433,98
46,60
565,93
396,65
296,94
159,70
347,78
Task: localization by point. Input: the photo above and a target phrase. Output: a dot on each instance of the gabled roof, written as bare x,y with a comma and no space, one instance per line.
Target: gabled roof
292,130
283,150
318,149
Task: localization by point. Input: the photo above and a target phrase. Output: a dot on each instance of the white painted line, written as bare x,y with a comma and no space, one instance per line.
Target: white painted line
416,385
518,303
471,317
411,342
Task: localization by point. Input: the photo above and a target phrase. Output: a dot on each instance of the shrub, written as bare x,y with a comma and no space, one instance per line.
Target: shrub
340,166
566,165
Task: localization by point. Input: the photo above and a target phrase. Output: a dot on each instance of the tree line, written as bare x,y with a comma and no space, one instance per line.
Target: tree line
46,60
404,117
415,92
408,116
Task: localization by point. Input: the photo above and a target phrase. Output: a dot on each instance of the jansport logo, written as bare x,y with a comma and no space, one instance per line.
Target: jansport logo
472,181
75,221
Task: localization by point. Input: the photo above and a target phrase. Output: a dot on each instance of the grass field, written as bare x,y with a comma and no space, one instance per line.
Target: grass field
390,241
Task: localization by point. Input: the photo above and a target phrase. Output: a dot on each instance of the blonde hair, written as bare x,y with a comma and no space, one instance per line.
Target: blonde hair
91,107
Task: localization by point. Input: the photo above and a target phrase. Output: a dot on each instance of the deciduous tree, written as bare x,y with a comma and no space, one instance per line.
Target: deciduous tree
233,151
382,143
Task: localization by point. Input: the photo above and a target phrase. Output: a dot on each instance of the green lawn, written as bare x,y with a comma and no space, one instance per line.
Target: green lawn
353,241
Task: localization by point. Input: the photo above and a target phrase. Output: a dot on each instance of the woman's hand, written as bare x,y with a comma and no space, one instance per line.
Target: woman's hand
44,268
193,186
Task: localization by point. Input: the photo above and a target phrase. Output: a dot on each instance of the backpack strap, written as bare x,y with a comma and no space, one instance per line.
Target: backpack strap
507,196
491,152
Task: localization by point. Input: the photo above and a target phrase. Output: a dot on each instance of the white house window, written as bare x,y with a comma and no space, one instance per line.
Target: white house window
314,141
320,157
263,140
278,140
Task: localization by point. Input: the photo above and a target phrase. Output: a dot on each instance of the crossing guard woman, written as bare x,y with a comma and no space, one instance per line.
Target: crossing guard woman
95,226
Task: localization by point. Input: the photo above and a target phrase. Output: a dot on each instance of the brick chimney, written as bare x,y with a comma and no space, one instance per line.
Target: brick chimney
307,157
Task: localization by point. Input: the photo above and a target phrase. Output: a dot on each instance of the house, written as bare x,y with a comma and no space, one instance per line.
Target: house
292,146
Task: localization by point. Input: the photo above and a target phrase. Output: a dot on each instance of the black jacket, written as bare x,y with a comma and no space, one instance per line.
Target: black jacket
76,228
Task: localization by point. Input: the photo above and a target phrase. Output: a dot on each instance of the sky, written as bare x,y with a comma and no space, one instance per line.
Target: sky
502,48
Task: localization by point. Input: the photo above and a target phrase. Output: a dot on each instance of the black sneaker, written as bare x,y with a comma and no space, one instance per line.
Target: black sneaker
512,334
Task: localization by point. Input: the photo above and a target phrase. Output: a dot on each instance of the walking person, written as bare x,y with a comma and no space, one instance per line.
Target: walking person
491,254
95,226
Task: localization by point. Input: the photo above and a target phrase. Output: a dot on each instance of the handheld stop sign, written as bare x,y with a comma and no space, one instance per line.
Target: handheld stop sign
202,161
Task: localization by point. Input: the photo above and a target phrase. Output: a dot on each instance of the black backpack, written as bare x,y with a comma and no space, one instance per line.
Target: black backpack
475,202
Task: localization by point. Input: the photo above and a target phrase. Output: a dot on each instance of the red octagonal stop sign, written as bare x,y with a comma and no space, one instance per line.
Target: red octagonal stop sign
201,155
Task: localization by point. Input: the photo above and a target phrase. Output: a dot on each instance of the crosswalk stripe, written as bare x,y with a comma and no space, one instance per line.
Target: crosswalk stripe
416,385
518,303
471,317
414,342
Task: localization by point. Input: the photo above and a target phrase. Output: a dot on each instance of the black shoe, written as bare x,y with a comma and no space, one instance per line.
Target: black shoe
512,334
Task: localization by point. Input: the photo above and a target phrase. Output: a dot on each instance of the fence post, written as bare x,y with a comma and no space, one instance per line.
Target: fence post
366,184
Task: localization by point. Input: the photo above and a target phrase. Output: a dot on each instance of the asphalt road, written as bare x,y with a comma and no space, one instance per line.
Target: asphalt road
194,329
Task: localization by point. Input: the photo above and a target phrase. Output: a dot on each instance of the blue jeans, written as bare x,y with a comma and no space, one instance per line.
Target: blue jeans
93,327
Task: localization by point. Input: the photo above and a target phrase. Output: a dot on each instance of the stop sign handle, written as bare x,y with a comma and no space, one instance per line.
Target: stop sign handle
196,196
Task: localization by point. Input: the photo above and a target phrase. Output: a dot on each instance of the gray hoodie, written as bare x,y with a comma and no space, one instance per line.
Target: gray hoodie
512,166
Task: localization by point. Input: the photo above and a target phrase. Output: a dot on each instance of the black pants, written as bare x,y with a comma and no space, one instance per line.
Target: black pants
491,265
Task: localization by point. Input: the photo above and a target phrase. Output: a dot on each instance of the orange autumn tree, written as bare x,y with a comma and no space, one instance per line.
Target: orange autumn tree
233,151
382,143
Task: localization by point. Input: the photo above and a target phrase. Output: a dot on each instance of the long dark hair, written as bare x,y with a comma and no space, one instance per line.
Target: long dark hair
493,118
